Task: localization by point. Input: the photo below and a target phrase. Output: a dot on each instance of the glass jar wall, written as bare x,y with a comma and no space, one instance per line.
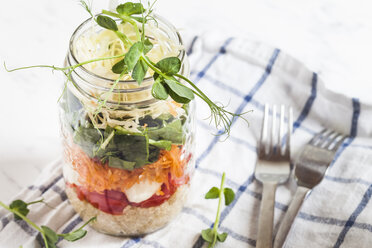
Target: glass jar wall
128,157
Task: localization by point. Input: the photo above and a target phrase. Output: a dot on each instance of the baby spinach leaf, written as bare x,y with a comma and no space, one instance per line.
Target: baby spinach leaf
229,196
87,139
213,193
158,91
153,153
51,236
130,8
170,65
139,71
133,55
21,207
162,144
132,148
170,131
107,22
121,164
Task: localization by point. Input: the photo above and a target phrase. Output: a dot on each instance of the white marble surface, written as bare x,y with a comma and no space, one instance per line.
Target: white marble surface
333,37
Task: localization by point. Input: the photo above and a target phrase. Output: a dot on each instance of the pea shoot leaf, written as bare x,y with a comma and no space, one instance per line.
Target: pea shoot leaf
211,235
208,235
177,98
51,236
158,91
130,8
229,196
169,66
21,207
78,233
75,235
107,22
119,67
139,19
179,90
147,46
139,71
213,193
133,55
221,237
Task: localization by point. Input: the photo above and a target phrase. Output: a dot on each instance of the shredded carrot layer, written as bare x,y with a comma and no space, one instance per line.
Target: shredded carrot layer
99,177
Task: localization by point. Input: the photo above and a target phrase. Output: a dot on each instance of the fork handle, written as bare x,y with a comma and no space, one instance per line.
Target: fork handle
289,216
266,218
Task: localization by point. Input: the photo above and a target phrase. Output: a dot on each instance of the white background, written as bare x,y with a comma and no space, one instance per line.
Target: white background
333,37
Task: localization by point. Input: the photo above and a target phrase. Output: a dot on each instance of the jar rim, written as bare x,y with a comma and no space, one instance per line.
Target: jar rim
181,54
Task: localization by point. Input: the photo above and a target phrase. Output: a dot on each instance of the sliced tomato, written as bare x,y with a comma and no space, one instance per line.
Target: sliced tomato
113,202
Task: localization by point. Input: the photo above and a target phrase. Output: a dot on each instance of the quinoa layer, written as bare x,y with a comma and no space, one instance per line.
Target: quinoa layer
134,220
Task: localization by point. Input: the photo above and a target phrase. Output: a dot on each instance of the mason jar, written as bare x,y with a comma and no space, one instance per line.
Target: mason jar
128,158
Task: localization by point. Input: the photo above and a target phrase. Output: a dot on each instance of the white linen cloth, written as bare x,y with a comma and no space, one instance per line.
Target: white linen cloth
243,74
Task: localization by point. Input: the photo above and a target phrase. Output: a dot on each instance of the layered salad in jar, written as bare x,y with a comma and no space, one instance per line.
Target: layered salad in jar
128,157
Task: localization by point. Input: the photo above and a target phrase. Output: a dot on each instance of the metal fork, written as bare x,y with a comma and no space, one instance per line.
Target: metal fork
310,168
273,166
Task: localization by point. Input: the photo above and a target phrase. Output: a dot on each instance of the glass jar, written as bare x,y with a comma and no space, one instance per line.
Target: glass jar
128,161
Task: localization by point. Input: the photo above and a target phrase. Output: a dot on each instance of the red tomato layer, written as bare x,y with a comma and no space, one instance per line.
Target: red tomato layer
113,202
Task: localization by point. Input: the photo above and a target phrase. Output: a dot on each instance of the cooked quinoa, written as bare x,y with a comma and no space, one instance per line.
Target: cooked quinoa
134,220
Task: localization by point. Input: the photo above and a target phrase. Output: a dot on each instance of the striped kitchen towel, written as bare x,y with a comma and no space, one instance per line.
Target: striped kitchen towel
243,74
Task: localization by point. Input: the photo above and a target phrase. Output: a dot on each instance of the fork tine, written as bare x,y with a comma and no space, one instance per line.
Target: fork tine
281,130
338,143
317,137
274,142
264,129
289,134
328,139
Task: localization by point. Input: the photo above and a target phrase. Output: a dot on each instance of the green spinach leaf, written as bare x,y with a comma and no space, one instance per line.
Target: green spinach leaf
162,144
121,164
170,131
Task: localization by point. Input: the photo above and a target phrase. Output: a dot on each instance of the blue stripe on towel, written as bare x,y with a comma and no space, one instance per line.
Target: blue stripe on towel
43,188
131,242
309,103
353,129
190,50
333,221
350,222
222,50
348,180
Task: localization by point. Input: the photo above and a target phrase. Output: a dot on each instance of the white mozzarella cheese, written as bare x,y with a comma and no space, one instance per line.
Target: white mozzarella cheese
142,191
